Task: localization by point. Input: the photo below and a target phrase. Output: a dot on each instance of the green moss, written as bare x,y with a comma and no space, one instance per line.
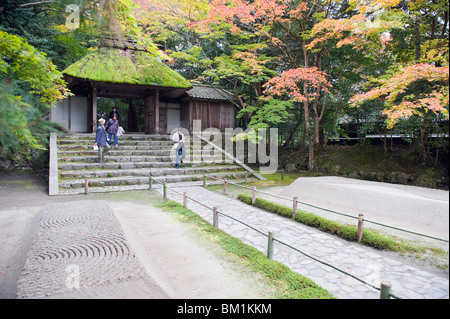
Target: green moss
343,231
131,67
292,285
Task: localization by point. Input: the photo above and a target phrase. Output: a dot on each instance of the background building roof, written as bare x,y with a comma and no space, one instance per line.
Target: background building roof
207,92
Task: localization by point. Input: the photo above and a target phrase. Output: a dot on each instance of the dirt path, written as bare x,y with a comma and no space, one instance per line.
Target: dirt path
170,259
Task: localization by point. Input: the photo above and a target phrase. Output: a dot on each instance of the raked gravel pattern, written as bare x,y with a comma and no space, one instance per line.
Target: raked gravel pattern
78,246
408,282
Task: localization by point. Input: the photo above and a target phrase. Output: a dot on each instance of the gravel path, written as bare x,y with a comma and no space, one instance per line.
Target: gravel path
99,246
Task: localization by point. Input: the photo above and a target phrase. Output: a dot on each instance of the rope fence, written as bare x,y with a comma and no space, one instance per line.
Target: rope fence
295,201
385,288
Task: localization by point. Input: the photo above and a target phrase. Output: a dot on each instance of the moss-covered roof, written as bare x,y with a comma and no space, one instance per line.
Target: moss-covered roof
126,66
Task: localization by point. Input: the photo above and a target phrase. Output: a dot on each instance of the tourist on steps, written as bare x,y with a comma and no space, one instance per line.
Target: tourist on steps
178,138
114,112
112,126
101,141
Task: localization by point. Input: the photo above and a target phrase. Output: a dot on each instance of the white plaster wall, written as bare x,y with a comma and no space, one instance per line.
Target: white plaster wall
79,114
74,108
173,119
60,113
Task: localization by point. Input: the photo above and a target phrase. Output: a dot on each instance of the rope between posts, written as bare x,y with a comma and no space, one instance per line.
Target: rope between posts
309,256
283,243
338,269
338,213
182,194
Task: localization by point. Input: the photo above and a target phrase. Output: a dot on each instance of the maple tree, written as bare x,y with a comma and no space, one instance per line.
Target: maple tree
381,26
273,26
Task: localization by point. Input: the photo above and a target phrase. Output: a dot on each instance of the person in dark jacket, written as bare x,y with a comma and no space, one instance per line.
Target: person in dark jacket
112,126
114,112
101,140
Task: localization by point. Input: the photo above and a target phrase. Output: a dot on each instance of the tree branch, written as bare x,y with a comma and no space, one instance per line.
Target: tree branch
23,5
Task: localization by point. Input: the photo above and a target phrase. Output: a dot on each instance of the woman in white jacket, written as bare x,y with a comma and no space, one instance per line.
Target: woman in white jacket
178,138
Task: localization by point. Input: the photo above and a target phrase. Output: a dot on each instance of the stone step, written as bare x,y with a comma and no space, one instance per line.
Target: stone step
126,159
135,137
130,165
73,166
141,180
122,152
114,152
89,147
182,186
145,172
89,143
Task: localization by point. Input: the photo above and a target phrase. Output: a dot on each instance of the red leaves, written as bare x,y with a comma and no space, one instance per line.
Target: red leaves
292,83
391,89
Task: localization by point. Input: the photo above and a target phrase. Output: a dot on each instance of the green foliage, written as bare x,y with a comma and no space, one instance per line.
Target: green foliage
21,61
29,84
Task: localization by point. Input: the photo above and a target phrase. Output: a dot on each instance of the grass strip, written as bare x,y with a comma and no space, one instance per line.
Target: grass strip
346,232
294,285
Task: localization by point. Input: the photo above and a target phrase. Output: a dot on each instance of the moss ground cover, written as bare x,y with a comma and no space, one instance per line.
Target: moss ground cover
291,285
347,232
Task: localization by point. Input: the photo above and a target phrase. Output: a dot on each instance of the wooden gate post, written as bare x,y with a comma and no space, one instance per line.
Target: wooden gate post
270,246
294,207
360,228
215,217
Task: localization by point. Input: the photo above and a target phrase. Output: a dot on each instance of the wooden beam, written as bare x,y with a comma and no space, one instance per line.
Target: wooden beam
94,109
156,103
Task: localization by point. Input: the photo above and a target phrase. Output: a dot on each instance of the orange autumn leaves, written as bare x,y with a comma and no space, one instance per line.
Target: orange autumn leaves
391,88
366,29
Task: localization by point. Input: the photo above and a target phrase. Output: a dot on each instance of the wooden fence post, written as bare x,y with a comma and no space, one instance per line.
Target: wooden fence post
184,200
224,186
150,182
253,194
360,228
270,246
164,191
86,186
385,292
294,207
215,217
204,180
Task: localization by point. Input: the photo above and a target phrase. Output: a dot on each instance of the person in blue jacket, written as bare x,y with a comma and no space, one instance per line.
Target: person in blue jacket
101,140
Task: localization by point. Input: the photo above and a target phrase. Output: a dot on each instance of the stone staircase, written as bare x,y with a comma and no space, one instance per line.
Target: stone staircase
129,166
